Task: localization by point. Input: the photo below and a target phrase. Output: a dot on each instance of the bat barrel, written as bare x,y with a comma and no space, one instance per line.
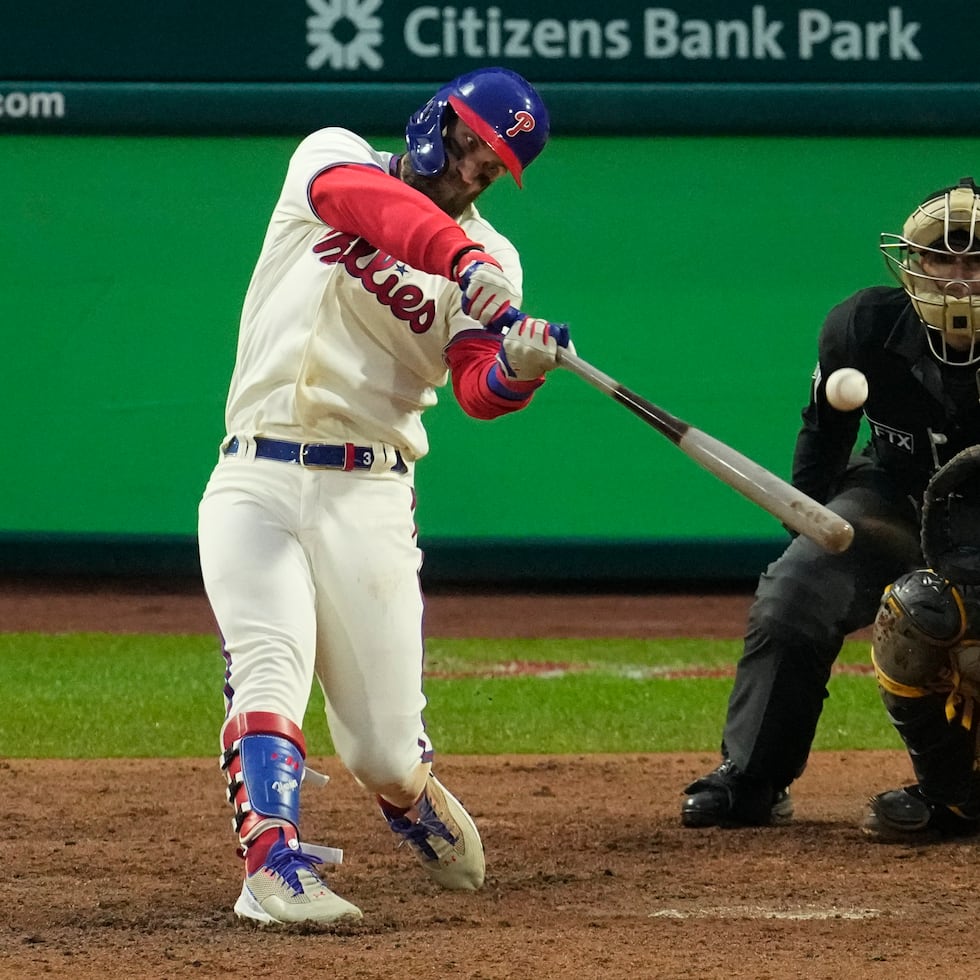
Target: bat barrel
781,499
791,506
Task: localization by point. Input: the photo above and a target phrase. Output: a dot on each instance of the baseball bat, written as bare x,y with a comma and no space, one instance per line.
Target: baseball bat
791,506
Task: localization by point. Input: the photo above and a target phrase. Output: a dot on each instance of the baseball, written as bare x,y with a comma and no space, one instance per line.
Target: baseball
847,389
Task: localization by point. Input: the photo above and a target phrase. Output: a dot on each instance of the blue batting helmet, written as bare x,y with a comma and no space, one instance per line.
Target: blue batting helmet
500,106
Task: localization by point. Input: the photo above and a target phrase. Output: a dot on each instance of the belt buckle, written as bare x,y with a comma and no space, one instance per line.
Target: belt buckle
354,457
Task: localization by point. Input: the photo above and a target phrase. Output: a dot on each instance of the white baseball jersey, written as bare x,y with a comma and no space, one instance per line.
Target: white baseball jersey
340,342
314,572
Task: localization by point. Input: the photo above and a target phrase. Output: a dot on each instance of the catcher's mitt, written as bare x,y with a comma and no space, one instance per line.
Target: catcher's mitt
950,533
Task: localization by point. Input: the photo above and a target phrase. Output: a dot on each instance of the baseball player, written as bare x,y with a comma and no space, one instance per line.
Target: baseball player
926,654
378,280
919,347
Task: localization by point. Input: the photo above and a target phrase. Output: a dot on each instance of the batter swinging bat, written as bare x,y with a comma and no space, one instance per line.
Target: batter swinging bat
792,507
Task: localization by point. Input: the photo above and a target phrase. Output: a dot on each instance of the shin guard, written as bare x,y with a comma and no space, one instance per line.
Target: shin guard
943,754
263,761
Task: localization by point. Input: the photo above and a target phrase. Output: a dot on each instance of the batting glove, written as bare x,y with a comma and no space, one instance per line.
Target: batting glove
531,346
487,293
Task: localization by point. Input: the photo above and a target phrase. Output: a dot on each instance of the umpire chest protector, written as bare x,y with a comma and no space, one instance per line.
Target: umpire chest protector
920,413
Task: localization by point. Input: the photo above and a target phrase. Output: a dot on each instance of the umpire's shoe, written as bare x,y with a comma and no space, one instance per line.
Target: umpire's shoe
444,838
905,816
727,797
286,889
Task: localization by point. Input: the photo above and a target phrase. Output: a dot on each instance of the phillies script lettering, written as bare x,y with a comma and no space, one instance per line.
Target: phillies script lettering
363,261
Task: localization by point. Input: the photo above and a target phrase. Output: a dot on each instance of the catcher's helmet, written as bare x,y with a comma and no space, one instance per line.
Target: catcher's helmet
499,106
946,223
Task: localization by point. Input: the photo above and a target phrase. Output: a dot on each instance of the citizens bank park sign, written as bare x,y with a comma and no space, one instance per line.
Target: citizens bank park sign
656,42
572,40
255,65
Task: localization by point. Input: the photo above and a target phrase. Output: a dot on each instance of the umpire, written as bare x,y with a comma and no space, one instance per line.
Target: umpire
918,344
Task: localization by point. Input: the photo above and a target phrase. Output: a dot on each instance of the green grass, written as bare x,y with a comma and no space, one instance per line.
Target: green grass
92,695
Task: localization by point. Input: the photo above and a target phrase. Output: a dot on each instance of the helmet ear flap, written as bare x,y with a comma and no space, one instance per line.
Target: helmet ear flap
423,136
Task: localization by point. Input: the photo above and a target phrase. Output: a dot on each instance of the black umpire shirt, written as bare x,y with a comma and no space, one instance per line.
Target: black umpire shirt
921,412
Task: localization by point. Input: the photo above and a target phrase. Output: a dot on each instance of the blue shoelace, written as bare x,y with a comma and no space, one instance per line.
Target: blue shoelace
418,833
286,862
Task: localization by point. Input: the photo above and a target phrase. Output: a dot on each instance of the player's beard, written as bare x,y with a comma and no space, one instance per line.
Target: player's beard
446,191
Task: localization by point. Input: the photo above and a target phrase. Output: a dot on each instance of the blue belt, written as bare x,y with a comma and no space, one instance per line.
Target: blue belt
314,454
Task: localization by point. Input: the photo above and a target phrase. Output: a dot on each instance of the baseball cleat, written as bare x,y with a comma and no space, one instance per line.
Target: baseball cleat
444,838
726,797
905,816
287,890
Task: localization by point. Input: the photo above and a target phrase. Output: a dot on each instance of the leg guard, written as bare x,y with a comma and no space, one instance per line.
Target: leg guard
943,754
920,618
263,762
917,633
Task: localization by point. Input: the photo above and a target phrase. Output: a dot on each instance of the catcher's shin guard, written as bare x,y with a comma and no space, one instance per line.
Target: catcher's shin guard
263,762
917,633
921,617
943,753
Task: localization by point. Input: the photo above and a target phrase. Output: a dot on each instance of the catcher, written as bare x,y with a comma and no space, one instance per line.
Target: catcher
926,654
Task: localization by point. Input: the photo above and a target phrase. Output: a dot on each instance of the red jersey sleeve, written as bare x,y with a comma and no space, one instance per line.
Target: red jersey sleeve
481,387
392,216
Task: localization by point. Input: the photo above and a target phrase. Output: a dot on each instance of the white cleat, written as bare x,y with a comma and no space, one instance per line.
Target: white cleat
287,890
444,838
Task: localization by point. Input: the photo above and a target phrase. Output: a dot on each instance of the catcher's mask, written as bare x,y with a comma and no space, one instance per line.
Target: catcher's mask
944,232
500,106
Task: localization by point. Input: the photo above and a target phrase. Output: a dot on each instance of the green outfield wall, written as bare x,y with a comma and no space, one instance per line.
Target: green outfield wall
696,270
718,176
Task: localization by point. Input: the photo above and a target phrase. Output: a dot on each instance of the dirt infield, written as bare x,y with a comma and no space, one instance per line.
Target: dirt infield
125,868
61,605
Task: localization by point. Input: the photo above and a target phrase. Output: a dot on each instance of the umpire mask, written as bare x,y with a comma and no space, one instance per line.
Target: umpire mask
937,261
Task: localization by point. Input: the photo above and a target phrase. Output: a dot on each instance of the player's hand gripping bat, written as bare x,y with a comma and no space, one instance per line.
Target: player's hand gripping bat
791,506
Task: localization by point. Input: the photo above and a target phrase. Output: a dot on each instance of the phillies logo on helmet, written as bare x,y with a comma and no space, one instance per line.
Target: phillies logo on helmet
497,104
523,123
